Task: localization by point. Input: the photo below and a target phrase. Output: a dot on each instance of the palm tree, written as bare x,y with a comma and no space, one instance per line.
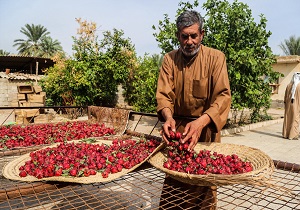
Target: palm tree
50,47
32,45
291,46
38,43
3,53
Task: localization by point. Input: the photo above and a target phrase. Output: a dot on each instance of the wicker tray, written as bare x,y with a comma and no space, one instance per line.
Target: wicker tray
263,166
11,170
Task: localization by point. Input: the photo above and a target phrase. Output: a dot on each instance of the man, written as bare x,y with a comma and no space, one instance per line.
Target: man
193,82
291,101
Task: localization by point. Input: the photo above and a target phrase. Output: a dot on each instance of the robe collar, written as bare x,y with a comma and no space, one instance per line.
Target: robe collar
296,81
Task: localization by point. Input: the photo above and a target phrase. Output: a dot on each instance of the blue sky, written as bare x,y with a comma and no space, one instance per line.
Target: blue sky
134,17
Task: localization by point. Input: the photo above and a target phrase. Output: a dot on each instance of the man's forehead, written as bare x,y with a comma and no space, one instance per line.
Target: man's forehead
190,29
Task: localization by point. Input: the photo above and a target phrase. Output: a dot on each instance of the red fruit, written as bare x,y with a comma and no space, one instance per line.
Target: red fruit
73,172
188,170
167,164
201,172
178,135
119,167
99,166
58,172
93,172
105,174
203,163
170,153
180,147
111,159
87,172
22,173
172,135
119,155
114,170
38,173
120,161
185,146
66,165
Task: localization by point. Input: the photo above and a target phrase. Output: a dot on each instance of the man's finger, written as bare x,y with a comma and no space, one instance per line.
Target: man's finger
192,144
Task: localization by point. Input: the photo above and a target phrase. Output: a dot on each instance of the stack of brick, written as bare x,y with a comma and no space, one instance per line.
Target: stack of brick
30,96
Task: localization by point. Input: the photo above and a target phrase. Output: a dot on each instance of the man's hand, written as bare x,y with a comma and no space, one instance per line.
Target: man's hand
193,130
168,125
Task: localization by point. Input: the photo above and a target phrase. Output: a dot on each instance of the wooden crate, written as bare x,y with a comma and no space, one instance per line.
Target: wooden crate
43,93
18,112
30,112
42,118
35,98
25,89
22,120
24,104
37,88
35,104
21,96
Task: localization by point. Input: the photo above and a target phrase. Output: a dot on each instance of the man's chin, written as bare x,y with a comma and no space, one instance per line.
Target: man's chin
190,53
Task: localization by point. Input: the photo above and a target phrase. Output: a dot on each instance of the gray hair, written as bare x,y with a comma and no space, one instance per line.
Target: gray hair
188,18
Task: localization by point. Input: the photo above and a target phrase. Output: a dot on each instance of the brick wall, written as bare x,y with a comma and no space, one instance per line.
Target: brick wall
9,90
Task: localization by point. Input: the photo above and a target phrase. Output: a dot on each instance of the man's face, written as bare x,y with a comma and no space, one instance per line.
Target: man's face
190,39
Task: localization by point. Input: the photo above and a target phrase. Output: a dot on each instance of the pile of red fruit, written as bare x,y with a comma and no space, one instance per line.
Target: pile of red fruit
31,135
84,159
202,163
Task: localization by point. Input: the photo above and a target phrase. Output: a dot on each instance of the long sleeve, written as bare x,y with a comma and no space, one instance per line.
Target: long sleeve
220,100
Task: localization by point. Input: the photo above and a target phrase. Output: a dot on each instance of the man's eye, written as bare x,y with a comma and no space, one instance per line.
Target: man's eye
184,36
194,36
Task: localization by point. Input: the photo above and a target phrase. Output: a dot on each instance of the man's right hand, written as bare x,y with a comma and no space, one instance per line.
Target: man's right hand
168,125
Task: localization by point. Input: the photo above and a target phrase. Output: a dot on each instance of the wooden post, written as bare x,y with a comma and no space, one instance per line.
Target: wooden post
36,71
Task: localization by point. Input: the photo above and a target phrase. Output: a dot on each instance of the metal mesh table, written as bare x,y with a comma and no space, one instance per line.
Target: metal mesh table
142,188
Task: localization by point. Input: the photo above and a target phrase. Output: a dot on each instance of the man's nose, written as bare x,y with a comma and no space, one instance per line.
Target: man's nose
189,40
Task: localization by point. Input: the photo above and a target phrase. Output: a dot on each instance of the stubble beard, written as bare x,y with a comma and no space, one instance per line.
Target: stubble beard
190,54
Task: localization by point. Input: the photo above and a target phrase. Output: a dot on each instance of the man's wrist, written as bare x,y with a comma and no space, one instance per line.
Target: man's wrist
205,119
167,114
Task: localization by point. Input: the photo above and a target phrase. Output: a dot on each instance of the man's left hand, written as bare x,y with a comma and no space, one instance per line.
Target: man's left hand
193,130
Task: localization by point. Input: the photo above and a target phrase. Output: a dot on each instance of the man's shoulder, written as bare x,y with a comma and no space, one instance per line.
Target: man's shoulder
211,51
172,53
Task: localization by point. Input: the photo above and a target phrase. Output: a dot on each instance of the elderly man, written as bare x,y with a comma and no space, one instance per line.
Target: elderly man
193,82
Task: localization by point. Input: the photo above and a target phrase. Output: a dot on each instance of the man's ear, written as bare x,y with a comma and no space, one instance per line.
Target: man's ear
177,34
202,34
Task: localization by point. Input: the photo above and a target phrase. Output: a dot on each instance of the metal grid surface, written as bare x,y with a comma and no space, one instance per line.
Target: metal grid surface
142,189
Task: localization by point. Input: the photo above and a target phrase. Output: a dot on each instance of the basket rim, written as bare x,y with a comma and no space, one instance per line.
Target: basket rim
264,172
11,169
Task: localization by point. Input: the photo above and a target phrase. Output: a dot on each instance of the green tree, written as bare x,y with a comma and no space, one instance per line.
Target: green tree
37,42
231,29
3,53
291,46
92,76
140,90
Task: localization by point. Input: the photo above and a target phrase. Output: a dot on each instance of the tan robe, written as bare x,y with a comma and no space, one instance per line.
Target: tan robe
291,113
200,86
191,89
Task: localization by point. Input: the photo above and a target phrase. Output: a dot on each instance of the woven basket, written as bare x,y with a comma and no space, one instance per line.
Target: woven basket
263,166
11,170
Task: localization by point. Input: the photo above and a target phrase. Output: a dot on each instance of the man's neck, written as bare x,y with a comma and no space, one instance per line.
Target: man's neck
187,59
